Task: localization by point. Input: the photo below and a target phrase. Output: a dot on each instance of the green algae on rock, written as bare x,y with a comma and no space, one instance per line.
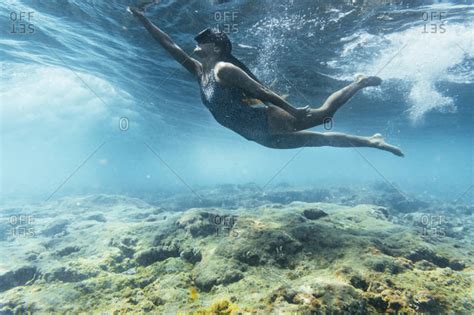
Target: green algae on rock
300,257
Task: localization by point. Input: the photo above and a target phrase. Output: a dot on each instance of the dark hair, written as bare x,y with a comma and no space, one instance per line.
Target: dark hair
236,62
221,40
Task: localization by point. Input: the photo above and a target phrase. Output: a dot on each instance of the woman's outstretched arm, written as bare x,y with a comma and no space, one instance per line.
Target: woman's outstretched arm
191,64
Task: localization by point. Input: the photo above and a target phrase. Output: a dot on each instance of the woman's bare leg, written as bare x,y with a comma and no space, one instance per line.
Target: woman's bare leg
334,139
335,101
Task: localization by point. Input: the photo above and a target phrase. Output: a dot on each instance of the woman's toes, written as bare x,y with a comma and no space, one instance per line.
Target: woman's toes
379,142
400,153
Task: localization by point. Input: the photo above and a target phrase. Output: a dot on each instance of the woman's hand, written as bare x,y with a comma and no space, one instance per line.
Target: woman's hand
136,12
302,112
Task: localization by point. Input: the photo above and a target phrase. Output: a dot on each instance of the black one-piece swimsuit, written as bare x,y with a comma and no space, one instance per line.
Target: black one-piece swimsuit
228,107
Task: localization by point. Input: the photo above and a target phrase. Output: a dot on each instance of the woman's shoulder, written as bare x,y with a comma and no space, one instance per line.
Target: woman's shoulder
224,65
225,70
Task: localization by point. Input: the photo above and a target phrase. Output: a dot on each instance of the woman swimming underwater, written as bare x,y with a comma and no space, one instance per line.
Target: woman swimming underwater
226,86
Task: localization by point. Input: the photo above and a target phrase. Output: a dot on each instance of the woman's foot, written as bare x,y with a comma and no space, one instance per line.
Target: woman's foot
378,142
368,81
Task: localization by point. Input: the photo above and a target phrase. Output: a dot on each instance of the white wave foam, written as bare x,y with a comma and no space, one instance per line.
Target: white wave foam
45,98
420,59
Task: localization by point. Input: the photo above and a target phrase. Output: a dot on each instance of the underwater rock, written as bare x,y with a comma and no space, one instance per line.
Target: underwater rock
457,264
384,211
17,307
143,282
465,210
393,198
282,261
32,256
147,306
172,243
286,292
224,307
116,262
68,274
216,272
18,277
342,298
425,265
314,214
131,271
165,231
67,251
359,283
56,229
140,215
153,218
261,247
377,287
5,227
378,265
156,299
224,196
160,236
399,265
192,255
395,300
244,196
278,245
309,234
322,235
425,302
307,296
429,255
406,206
307,299
249,257
206,283
288,196
197,223
97,217
125,244
457,232
377,301
159,253
108,201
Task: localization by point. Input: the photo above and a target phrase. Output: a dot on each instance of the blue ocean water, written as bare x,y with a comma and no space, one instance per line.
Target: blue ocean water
91,104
